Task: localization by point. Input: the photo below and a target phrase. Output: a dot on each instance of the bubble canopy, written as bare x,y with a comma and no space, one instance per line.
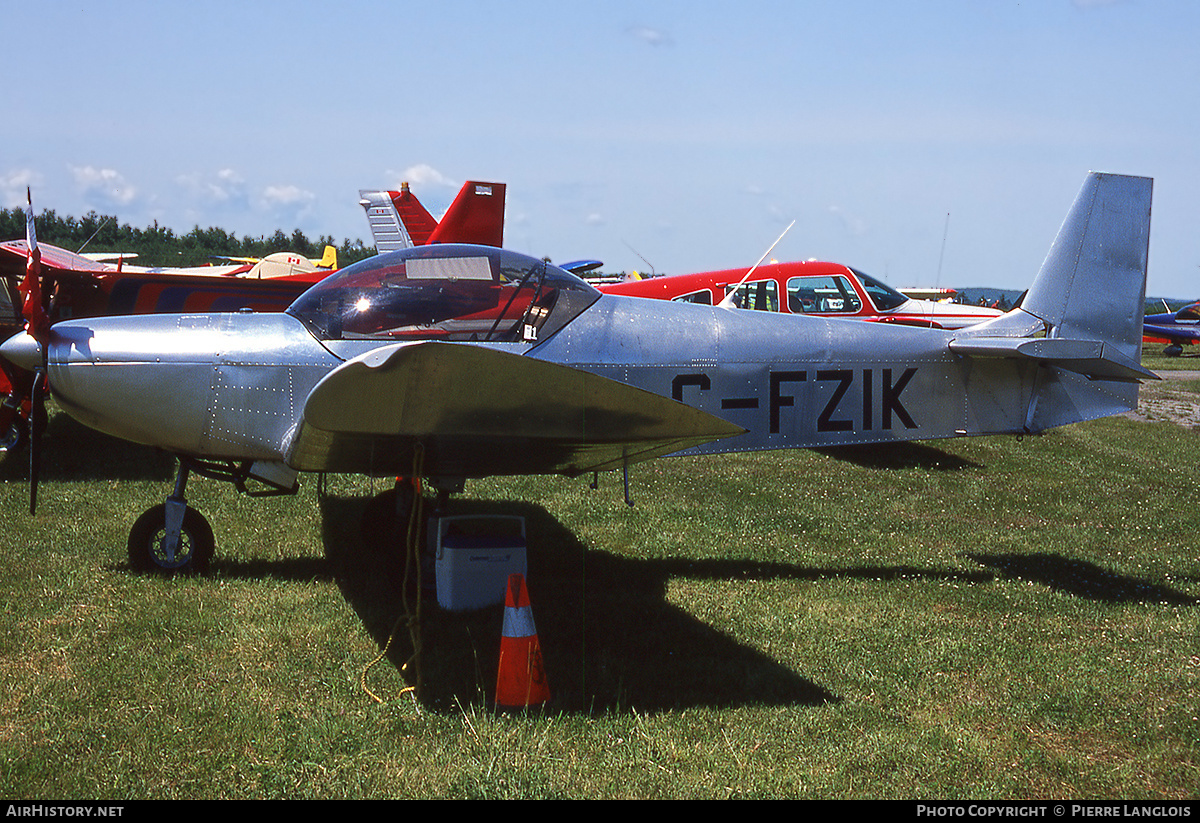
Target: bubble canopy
444,292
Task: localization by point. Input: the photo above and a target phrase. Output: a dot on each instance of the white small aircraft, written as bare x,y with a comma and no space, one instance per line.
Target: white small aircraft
449,362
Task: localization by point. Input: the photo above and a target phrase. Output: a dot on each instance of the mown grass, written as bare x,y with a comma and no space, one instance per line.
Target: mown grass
984,618
1155,360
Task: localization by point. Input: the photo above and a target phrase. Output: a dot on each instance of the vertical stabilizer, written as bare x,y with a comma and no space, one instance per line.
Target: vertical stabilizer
415,218
475,216
396,218
1092,285
1081,320
399,221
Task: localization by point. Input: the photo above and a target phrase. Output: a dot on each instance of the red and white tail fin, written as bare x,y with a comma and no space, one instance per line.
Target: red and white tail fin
476,216
399,221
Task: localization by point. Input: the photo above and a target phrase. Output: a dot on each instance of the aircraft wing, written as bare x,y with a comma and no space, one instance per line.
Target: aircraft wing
473,411
14,253
1173,333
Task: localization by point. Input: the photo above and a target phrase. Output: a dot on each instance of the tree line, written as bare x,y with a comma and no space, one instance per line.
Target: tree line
159,246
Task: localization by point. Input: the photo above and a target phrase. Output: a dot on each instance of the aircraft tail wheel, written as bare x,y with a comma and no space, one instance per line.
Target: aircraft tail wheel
148,551
1173,350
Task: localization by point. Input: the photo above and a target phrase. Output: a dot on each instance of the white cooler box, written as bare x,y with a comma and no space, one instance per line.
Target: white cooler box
474,556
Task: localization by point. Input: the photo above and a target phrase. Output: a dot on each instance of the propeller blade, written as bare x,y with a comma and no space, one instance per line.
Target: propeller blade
37,424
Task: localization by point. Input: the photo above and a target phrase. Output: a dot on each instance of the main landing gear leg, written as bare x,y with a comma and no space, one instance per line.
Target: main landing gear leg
171,537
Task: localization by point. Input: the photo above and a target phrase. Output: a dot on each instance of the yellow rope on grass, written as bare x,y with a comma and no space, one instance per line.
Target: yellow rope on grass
411,617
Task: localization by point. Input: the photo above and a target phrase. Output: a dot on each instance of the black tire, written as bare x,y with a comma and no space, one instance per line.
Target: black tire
195,538
1173,350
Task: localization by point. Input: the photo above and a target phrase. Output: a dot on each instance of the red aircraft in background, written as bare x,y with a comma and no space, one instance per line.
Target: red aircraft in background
399,221
809,287
73,285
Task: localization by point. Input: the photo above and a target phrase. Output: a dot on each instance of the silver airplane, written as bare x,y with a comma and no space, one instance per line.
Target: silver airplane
449,362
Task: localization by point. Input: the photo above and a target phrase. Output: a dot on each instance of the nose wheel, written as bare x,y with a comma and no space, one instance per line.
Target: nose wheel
171,538
155,546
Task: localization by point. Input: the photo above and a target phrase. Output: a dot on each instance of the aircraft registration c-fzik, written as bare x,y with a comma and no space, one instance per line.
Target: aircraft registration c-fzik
448,362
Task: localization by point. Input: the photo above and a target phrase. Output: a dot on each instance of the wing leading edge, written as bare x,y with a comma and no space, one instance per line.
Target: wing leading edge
475,411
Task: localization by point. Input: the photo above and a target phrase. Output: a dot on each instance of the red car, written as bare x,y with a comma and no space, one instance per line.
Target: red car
809,287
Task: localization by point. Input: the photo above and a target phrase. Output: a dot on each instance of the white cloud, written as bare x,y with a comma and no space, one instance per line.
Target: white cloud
288,203
651,36
103,188
287,196
13,187
225,188
420,175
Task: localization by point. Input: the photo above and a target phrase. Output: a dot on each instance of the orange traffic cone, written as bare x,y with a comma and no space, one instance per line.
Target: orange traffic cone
521,680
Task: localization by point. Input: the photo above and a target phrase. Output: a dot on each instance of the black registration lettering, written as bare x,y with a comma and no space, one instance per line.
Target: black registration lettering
682,380
867,394
890,407
778,401
891,398
825,423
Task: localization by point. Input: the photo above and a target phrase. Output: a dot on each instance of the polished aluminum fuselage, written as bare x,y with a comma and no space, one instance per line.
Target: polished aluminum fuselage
234,386
327,387
219,385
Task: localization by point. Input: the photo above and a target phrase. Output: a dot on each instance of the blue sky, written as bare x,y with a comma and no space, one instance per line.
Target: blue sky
928,143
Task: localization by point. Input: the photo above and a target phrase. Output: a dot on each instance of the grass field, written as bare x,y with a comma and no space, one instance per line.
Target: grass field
986,618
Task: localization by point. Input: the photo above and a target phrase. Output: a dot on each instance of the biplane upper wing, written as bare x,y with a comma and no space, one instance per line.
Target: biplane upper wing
14,253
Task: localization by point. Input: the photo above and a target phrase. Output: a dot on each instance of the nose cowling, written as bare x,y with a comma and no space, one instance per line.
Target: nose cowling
224,386
118,375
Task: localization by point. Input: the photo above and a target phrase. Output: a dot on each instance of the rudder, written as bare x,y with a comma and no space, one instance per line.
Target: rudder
1092,285
476,216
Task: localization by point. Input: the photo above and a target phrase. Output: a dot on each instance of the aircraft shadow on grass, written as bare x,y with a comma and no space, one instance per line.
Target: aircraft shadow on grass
1082,579
899,455
609,638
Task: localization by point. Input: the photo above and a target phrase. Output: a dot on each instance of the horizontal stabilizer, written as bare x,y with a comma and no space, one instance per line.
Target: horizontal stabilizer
1091,358
475,411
